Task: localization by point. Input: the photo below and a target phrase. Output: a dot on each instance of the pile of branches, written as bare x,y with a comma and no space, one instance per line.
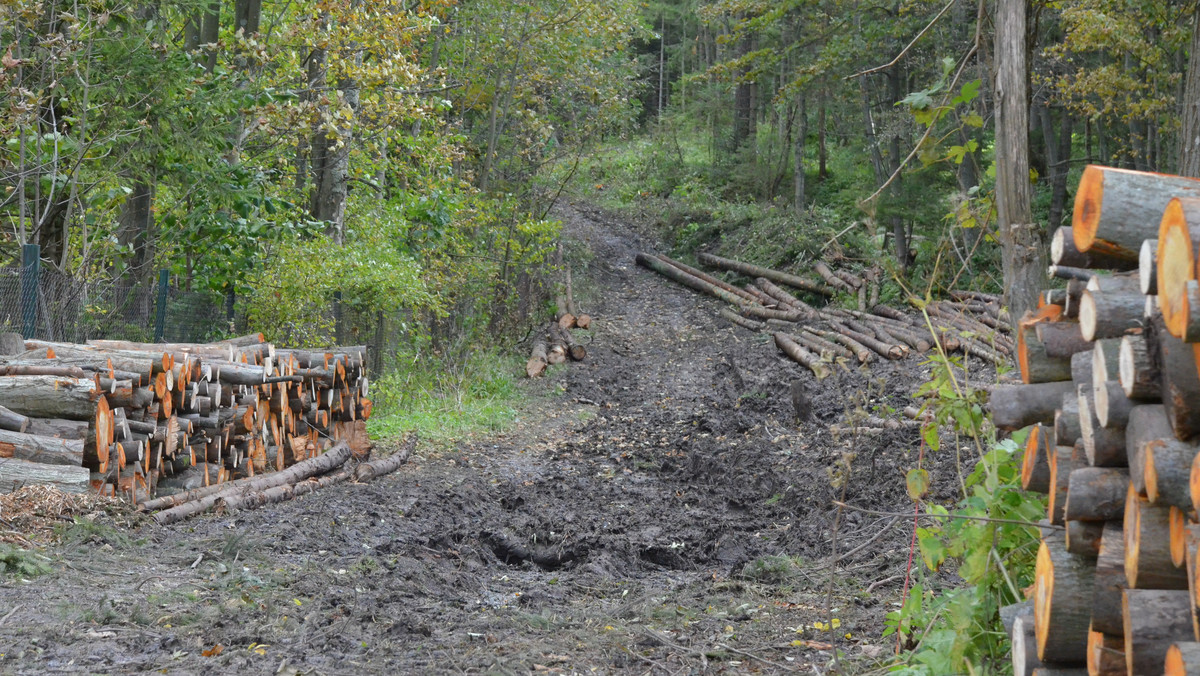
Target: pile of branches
972,323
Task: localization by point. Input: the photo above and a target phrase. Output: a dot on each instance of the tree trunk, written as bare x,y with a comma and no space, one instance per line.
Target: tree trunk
1189,132
1023,255
799,197
17,473
1061,168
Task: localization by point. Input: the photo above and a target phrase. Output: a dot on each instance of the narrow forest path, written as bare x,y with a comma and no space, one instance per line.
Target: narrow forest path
656,511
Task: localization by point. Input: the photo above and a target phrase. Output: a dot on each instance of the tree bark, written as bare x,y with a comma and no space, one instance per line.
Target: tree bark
1110,581
1148,563
1154,620
46,450
1189,132
1062,602
1023,256
1016,406
17,473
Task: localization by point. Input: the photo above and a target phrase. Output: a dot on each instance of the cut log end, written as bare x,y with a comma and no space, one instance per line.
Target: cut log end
1043,593
1089,197
1148,267
1176,263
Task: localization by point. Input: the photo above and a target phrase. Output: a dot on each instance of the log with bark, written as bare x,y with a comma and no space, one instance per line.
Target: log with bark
1116,209
16,473
1015,406
1061,466
1083,537
1137,372
1180,383
752,271
536,365
1066,420
1147,530
704,276
1155,619
831,279
368,471
1096,494
1106,654
1178,239
1104,446
1110,581
691,281
1146,423
1037,366
1035,465
1183,659
801,356
1167,470
1105,314
322,464
1064,252
1063,589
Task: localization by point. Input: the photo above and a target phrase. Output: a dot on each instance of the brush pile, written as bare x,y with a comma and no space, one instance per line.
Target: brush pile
1112,391
972,323
141,419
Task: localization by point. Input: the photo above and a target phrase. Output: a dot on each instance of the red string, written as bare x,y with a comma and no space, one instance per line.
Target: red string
912,546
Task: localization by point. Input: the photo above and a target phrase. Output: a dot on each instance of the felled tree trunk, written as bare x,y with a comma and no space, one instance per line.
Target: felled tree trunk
17,473
1115,209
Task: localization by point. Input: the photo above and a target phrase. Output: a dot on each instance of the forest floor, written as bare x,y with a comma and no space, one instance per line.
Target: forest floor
656,509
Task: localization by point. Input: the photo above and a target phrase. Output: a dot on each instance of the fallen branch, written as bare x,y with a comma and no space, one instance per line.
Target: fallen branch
376,468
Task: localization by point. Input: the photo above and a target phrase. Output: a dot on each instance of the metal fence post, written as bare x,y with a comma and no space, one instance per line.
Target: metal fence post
31,257
160,315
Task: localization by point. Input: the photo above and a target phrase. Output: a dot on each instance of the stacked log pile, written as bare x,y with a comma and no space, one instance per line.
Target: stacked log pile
140,419
558,344
1112,394
972,323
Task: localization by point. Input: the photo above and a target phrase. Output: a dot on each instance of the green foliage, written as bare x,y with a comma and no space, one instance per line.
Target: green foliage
958,630
445,402
22,563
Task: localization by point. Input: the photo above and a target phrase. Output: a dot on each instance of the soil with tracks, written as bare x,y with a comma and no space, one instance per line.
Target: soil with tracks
657,509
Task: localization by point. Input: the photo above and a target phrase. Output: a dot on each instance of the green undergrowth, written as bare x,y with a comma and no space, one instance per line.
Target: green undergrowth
988,538
444,402
698,204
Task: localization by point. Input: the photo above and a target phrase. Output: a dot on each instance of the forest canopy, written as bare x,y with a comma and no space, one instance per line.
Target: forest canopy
275,154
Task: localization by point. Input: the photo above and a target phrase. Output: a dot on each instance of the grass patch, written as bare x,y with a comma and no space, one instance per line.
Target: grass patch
446,403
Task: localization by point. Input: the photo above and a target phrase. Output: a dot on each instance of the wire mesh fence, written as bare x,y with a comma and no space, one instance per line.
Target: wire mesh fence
45,304
41,303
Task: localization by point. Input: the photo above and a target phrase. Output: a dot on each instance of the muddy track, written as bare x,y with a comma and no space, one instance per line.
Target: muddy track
656,510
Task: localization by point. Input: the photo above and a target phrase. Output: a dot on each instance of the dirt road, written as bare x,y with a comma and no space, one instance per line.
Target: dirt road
657,510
